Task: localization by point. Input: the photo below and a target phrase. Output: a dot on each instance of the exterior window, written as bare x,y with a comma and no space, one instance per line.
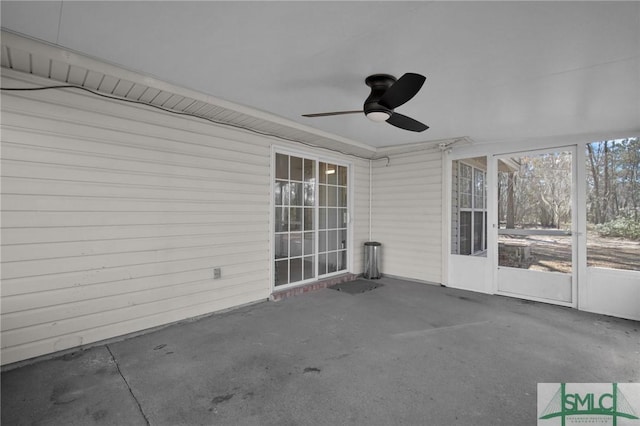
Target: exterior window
469,207
310,219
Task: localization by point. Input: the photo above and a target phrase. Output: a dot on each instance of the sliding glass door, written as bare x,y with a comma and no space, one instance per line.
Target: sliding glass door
310,219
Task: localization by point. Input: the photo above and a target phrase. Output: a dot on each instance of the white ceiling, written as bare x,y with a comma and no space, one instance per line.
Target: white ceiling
496,71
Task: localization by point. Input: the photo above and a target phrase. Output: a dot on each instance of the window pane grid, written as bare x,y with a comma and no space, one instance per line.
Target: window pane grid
310,229
469,207
333,221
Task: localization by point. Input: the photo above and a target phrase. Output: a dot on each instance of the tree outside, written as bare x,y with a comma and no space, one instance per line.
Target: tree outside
535,194
613,204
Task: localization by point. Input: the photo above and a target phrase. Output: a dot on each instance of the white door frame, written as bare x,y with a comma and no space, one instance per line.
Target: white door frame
311,155
522,278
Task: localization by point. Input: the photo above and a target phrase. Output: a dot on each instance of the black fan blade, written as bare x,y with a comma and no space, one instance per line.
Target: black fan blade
326,114
406,123
402,90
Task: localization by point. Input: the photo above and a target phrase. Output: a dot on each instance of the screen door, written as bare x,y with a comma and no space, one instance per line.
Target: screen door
536,216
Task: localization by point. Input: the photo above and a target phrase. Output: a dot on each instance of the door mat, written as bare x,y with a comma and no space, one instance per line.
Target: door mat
356,287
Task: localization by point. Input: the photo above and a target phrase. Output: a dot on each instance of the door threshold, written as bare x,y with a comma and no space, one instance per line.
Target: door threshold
313,286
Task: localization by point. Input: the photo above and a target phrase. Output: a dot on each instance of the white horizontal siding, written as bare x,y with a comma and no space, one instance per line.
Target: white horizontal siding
360,220
114,215
407,214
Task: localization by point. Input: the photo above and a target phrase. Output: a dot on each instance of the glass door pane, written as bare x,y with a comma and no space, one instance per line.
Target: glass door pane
535,217
333,220
294,194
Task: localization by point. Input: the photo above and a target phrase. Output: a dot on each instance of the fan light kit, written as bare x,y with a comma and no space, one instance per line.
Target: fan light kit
378,116
388,93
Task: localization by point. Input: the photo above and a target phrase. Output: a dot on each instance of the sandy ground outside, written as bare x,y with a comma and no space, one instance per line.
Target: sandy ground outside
553,253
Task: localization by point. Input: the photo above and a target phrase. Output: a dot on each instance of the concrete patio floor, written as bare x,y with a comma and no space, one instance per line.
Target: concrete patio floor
402,354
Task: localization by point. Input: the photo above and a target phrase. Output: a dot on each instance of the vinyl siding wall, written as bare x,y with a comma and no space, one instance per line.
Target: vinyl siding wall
407,214
360,214
114,216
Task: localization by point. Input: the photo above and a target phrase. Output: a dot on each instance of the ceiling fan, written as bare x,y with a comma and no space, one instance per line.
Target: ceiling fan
388,93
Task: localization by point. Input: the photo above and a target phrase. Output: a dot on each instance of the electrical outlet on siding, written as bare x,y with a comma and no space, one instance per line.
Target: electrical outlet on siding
217,273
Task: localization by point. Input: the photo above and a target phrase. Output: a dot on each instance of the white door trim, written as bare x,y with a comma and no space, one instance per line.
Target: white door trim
520,279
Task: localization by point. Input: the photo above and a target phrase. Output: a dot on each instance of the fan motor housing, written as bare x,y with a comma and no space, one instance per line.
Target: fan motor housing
379,84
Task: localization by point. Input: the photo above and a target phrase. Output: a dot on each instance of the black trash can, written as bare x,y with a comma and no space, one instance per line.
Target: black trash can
372,260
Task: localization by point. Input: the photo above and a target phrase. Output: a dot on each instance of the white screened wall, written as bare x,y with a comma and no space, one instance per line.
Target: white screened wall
407,214
114,216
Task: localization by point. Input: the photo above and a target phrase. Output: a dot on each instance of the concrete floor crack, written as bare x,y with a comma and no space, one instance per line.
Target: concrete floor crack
144,416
